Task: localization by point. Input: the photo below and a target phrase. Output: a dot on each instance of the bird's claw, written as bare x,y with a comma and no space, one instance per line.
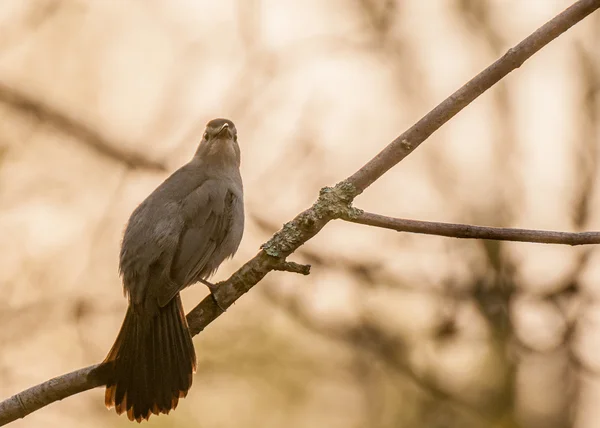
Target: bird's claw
213,288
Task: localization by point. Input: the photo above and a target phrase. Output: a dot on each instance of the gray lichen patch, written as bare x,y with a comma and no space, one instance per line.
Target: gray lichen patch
333,202
285,240
353,213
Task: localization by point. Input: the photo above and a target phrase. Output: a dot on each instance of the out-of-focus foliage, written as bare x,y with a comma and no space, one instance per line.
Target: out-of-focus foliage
101,99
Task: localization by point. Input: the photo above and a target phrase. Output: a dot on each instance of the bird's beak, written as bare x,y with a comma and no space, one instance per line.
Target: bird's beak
224,128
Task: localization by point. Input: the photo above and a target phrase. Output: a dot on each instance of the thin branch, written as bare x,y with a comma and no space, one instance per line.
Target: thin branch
293,267
332,203
85,134
20,405
511,60
468,231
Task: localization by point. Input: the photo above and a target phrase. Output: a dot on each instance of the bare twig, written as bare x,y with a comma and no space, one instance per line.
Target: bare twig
20,405
293,267
332,203
85,134
468,231
511,60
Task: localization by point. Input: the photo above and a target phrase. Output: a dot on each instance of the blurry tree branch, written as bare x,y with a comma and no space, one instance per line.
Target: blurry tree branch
20,31
388,348
468,231
332,203
83,133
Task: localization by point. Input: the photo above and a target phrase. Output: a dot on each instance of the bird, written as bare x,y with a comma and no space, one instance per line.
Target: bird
178,236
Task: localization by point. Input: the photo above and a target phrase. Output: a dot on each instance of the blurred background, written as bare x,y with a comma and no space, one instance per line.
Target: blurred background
100,100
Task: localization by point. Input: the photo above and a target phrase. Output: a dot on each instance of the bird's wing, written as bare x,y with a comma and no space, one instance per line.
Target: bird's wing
205,212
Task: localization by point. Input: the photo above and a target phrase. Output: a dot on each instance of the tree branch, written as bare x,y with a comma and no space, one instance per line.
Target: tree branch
20,405
390,349
468,231
21,101
293,267
332,203
511,60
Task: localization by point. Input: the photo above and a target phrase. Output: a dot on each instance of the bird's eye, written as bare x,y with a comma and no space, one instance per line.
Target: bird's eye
205,136
235,137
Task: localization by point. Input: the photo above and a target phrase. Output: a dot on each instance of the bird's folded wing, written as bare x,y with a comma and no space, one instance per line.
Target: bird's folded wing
206,222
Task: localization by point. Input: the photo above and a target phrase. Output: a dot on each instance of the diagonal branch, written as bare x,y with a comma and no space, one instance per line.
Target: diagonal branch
332,203
23,102
511,60
468,231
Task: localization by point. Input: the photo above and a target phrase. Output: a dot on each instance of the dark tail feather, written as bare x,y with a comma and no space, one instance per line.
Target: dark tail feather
154,361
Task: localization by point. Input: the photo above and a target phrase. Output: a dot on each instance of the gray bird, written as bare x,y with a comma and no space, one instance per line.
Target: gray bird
179,235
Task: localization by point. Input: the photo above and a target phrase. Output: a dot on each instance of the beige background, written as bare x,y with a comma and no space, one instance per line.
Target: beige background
389,329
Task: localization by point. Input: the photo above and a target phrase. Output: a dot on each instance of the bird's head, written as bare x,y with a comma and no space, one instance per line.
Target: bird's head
219,143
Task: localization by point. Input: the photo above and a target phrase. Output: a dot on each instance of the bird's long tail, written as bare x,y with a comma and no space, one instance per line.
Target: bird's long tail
154,361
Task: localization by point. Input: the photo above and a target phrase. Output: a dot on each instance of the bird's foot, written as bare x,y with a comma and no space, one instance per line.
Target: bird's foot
213,288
